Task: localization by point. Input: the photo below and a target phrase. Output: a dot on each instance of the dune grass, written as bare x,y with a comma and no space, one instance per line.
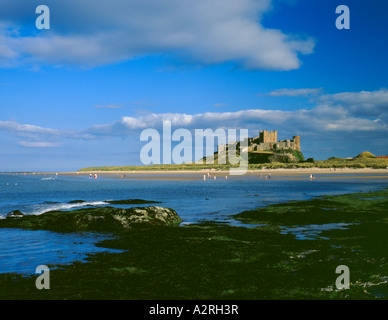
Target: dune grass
355,163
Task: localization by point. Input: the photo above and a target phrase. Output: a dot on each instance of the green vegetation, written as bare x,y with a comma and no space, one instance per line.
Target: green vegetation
363,160
358,162
161,167
365,155
217,261
258,157
297,155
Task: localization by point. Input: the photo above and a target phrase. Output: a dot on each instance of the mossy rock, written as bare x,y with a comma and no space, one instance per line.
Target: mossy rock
103,219
15,214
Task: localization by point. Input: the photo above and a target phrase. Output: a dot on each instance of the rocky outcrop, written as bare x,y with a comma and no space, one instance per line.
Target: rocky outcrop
15,214
283,158
102,219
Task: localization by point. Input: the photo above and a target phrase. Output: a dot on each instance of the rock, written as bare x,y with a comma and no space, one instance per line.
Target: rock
15,214
102,219
120,219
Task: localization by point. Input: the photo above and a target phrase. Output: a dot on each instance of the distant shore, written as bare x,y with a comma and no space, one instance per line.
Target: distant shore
198,174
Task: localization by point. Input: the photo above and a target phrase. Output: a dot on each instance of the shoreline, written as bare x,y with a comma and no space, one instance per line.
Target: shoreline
219,173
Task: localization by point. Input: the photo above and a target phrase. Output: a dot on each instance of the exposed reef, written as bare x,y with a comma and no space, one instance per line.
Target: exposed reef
218,261
102,219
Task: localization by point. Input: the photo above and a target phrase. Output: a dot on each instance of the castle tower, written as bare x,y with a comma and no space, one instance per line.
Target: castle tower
297,142
268,136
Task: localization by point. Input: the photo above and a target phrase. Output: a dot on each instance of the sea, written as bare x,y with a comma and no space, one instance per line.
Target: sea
194,199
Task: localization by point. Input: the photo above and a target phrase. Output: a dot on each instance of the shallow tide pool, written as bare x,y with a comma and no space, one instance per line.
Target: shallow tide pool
21,251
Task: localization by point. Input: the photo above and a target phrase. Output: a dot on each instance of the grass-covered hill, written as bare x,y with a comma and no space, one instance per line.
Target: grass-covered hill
363,160
365,155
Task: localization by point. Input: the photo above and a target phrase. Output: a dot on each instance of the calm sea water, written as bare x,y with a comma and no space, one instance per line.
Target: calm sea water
194,200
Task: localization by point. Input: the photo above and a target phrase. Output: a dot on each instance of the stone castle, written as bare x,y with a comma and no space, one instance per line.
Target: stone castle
268,141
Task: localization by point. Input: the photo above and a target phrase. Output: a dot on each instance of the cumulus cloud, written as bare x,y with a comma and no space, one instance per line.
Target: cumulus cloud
37,136
317,120
26,130
362,104
335,117
95,32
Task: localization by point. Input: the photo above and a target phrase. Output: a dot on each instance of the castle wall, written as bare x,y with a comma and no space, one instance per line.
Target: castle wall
265,146
267,141
289,144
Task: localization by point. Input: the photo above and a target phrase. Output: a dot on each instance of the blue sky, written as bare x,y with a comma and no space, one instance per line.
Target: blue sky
80,93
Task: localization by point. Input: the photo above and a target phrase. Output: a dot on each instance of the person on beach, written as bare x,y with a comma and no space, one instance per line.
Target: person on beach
204,177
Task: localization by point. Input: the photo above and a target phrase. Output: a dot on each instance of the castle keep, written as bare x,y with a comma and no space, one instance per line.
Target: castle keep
268,141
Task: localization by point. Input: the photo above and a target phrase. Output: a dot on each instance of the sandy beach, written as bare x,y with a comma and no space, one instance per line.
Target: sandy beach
300,173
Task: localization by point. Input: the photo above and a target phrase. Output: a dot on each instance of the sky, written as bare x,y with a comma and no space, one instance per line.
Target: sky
80,93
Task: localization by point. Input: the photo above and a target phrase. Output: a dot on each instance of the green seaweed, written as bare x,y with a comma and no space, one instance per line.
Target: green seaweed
218,261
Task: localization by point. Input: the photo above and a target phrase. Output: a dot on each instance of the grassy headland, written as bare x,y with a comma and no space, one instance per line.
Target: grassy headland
363,160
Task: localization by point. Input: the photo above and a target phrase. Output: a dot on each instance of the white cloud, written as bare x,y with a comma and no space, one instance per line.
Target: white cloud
363,103
26,130
39,137
38,144
336,119
95,32
317,120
